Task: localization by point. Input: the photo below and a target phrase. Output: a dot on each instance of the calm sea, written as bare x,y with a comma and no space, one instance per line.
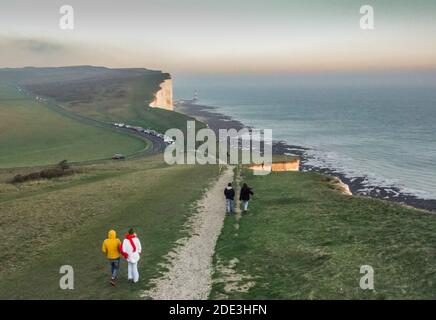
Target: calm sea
385,133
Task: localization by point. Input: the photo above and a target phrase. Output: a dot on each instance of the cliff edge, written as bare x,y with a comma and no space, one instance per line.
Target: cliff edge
164,97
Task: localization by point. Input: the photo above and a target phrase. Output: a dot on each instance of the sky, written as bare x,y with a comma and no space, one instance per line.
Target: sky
239,36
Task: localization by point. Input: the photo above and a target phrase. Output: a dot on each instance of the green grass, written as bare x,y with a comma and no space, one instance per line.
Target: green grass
31,134
303,240
48,224
132,106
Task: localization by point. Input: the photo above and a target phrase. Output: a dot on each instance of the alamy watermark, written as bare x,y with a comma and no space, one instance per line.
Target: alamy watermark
367,19
200,147
66,22
367,280
66,282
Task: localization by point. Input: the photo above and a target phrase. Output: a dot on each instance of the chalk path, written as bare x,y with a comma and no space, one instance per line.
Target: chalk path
190,265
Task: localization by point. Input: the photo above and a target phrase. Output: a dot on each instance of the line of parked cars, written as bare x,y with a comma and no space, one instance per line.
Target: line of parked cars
165,138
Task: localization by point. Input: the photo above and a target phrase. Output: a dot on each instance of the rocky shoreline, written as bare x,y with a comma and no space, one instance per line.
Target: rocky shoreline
357,185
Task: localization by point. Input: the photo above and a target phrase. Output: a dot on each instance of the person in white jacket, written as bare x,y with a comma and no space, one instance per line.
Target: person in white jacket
131,251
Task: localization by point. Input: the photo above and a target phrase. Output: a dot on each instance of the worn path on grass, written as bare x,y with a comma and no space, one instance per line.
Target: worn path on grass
189,274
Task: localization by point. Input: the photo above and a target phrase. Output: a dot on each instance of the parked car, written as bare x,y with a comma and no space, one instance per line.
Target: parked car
168,140
118,156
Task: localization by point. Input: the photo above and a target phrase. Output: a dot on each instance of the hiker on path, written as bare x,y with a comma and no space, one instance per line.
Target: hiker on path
229,193
131,251
112,249
245,196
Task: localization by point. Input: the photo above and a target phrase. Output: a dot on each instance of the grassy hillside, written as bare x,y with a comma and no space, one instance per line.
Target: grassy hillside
64,221
129,103
303,240
112,95
32,134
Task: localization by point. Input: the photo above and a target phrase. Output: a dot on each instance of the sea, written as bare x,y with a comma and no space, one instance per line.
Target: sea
376,128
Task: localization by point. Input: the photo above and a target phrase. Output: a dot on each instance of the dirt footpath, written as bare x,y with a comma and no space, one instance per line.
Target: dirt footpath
190,264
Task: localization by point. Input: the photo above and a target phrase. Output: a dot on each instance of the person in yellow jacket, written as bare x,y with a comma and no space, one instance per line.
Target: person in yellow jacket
111,247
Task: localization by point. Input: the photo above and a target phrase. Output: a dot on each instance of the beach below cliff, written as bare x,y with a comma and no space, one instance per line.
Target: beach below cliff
357,185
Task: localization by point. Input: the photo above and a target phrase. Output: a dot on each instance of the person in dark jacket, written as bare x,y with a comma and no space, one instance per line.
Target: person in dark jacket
245,196
229,193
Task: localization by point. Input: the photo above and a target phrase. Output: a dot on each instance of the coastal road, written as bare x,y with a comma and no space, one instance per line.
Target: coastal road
155,145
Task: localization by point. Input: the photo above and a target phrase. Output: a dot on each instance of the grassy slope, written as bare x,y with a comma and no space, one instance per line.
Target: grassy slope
31,134
63,222
132,106
301,240
111,95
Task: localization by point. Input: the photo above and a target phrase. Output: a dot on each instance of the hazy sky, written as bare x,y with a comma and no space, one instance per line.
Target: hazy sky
221,35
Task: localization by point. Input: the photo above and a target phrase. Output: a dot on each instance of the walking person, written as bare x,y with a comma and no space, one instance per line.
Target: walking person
244,196
112,249
131,251
229,193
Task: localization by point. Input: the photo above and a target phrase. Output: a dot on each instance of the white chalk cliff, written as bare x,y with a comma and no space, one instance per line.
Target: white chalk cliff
164,97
